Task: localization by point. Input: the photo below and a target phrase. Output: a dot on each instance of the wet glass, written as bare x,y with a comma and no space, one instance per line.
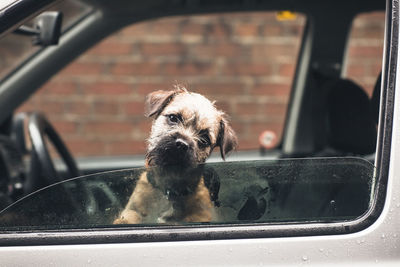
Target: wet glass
266,191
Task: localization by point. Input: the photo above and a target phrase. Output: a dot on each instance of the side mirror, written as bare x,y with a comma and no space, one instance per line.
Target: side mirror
46,29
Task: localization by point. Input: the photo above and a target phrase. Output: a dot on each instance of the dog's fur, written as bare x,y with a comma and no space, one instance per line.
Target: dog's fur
185,130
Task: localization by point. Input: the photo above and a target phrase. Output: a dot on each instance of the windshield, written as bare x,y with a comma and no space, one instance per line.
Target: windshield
266,191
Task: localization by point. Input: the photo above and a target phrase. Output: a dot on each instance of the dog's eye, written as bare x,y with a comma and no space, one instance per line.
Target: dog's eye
174,119
204,141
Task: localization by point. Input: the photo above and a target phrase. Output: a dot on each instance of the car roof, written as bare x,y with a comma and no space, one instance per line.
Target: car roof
14,13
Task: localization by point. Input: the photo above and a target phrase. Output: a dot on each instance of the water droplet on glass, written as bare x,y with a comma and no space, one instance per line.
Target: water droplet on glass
304,258
383,236
321,250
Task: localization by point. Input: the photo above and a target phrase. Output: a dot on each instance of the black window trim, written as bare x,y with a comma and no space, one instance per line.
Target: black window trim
213,232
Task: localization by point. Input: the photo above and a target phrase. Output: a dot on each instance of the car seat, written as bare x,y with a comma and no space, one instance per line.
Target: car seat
350,125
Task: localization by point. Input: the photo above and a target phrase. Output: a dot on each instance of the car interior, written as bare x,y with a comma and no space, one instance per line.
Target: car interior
329,132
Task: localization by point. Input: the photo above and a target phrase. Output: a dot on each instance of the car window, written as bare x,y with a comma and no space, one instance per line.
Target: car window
331,190
365,49
249,56
246,62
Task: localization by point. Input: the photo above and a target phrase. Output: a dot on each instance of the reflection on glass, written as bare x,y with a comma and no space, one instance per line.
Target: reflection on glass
267,191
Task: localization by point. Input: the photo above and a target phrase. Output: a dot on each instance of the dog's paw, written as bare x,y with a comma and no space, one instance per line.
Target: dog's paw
120,221
128,217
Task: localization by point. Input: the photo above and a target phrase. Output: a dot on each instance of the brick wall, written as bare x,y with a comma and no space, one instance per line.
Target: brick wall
97,102
365,50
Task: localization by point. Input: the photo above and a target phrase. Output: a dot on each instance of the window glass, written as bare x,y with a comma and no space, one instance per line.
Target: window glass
292,190
97,104
249,56
365,48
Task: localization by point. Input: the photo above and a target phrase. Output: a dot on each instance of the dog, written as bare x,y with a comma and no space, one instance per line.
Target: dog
172,189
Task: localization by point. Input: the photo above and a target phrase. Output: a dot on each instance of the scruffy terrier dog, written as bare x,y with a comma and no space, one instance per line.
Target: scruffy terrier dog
186,128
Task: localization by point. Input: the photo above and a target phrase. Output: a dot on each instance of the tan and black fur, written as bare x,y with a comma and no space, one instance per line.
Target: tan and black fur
186,129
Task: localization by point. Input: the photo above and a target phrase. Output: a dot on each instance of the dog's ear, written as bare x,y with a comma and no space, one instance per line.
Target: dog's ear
227,140
157,101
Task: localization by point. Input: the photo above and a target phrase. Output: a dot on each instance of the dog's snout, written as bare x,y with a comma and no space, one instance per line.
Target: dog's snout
181,144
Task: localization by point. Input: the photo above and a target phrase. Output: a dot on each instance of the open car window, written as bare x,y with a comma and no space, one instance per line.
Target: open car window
97,101
269,191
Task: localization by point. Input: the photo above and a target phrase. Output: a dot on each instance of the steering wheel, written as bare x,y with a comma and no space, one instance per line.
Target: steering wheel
39,128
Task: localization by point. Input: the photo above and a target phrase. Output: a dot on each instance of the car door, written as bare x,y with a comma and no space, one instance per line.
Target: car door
366,238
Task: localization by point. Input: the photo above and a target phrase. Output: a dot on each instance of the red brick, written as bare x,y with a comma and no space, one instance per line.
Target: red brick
78,107
162,49
272,89
85,147
253,69
238,126
272,30
269,109
249,108
271,52
83,68
356,70
138,29
64,127
245,30
108,127
142,68
165,26
257,128
365,51
134,108
50,107
217,31
189,68
192,28
216,50
220,89
247,144
107,88
287,70
27,106
129,147
225,106
111,48
59,88
146,88
103,107
145,126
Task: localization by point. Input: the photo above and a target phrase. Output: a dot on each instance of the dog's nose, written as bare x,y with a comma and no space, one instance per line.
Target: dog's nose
181,144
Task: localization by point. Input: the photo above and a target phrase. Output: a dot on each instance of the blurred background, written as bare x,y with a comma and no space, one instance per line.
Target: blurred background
244,61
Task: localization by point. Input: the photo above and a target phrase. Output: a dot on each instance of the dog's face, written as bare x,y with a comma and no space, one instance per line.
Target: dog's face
186,129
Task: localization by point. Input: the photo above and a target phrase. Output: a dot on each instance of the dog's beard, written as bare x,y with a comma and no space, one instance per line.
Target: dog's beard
173,169
165,155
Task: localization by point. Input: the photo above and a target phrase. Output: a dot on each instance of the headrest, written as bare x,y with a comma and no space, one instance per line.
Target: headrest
351,128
